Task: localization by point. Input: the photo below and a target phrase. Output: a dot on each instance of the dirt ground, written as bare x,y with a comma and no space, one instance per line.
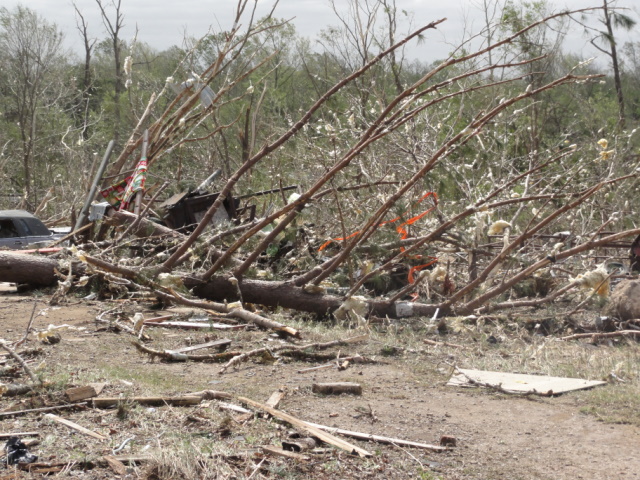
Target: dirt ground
404,396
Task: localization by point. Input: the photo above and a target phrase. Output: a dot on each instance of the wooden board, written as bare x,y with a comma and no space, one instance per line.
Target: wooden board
196,325
220,343
521,383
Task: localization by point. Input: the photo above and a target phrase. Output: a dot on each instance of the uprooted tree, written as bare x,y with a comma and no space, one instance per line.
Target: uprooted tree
398,185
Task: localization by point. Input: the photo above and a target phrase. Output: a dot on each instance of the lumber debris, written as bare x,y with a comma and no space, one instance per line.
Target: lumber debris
43,409
276,397
337,388
115,465
172,356
220,344
181,401
279,452
80,393
75,426
309,428
233,408
195,325
379,438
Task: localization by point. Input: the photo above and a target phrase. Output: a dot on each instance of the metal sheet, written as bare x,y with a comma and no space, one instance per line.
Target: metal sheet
521,383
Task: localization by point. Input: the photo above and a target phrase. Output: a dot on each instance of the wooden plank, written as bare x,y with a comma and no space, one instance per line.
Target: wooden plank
276,397
196,325
115,465
185,400
233,408
98,387
379,438
224,342
80,393
75,426
310,429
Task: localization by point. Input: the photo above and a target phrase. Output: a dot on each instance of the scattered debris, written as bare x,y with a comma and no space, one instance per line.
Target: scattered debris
17,452
309,428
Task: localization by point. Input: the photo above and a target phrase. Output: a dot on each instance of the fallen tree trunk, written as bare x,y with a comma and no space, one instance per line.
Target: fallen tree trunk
34,270
287,295
29,269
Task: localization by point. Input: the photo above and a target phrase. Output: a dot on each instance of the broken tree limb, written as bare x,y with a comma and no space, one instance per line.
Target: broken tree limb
144,228
379,438
298,348
598,335
212,395
171,356
181,401
19,389
22,363
309,428
43,409
234,311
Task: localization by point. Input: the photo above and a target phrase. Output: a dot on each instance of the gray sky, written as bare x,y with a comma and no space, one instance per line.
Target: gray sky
163,23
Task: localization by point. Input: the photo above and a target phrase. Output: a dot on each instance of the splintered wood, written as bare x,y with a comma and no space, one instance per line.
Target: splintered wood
75,426
310,429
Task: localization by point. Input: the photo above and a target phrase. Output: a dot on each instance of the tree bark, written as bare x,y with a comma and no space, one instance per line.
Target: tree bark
286,295
29,269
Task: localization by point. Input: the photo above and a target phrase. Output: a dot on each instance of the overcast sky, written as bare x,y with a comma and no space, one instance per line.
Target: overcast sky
163,23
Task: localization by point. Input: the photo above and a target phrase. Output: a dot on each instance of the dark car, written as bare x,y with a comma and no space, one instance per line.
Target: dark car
19,229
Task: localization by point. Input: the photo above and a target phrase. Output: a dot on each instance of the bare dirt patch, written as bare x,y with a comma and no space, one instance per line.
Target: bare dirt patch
404,396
